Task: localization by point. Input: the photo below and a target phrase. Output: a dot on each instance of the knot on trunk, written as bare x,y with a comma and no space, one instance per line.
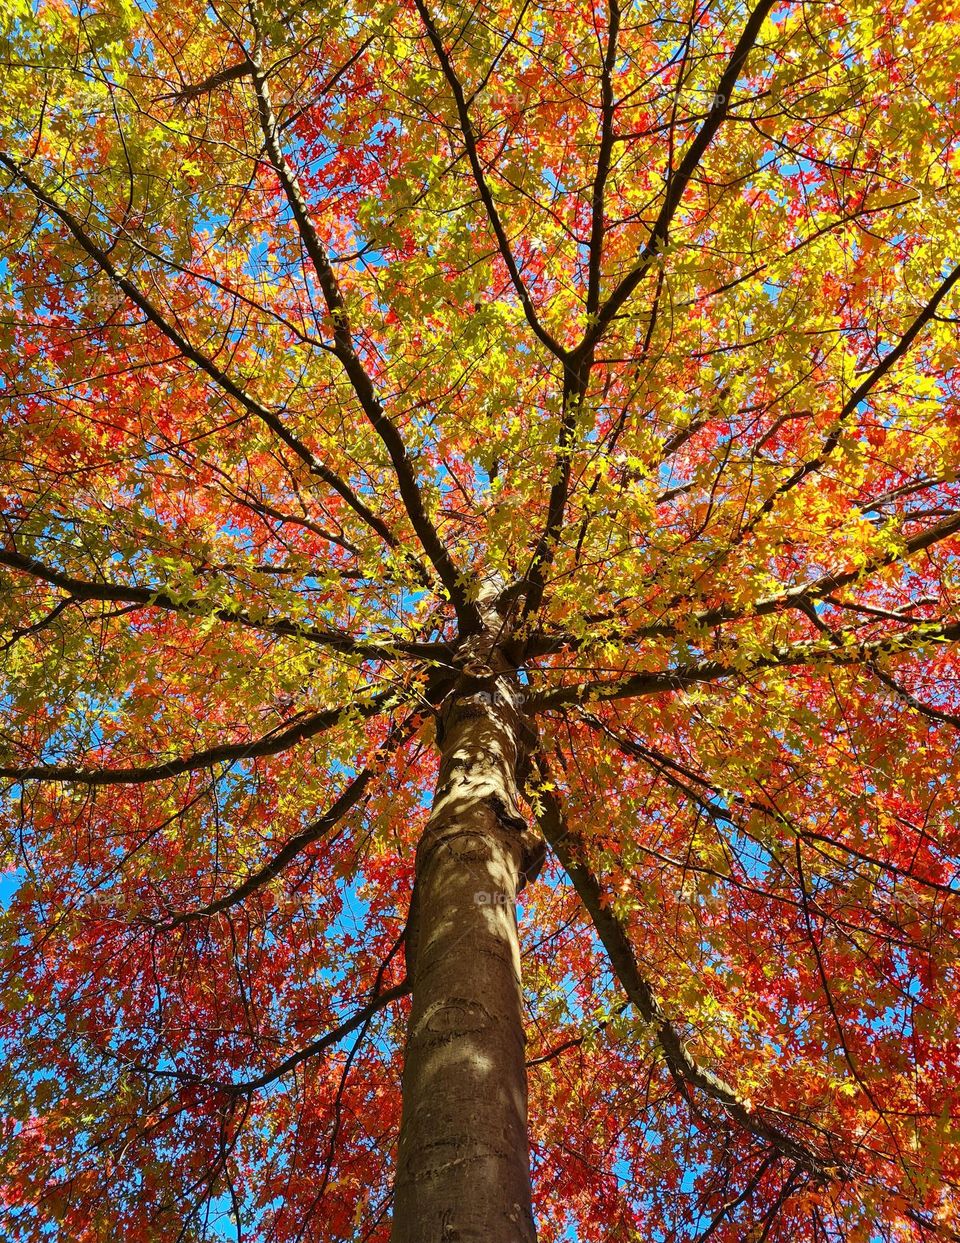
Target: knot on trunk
455,1015
533,847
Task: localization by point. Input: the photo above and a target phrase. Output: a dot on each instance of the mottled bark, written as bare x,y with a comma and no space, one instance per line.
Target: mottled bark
463,1165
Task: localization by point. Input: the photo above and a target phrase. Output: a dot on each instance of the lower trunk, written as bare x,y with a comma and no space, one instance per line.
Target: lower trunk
463,1172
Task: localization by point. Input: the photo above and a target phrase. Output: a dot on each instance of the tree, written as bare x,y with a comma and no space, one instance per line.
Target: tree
460,456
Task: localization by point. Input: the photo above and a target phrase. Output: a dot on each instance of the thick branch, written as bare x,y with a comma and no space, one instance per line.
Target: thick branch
859,394
247,1086
842,649
817,589
569,847
338,641
227,753
197,357
483,187
346,801
607,108
193,90
578,362
678,183
349,797
404,470
901,692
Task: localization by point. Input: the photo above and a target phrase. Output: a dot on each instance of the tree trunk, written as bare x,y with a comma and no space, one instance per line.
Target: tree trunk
463,1171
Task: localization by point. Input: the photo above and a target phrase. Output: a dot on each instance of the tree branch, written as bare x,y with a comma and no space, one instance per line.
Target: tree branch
842,649
667,767
901,692
859,394
570,849
227,753
677,186
579,362
247,1086
406,476
197,357
193,90
160,598
607,109
348,798
483,188
793,597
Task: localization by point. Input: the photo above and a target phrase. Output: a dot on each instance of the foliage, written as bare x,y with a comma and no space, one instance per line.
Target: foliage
315,317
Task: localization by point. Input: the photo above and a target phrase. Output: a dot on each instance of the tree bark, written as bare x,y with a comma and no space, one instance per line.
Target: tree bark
463,1172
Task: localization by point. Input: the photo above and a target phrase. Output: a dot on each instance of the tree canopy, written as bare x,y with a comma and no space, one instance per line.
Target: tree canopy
323,325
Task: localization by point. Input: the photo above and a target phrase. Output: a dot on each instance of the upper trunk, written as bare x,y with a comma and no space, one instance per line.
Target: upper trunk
463,1171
